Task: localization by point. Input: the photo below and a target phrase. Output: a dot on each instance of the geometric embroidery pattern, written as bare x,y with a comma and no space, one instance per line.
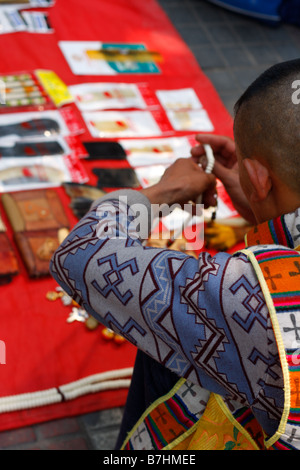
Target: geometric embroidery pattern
268,361
125,330
169,419
280,269
156,305
114,278
253,303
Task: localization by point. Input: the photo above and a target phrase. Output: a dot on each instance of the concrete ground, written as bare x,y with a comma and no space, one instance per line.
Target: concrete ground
232,50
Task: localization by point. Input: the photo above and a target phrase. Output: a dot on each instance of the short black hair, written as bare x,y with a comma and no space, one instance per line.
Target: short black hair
267,121
278,73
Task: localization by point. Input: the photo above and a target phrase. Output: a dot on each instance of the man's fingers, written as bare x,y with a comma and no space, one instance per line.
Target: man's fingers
221,172
222,147
218,143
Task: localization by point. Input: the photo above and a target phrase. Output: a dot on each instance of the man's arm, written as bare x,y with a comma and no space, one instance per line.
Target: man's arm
168,304
181,183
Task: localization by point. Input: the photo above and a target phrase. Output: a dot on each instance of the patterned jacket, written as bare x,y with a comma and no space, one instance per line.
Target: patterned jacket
205,320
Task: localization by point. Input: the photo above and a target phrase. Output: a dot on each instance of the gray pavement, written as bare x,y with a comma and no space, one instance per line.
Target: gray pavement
232,50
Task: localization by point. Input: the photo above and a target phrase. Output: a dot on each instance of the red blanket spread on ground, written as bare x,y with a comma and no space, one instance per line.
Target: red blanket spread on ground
43,352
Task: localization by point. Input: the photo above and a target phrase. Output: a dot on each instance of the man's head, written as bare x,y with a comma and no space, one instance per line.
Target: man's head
267,134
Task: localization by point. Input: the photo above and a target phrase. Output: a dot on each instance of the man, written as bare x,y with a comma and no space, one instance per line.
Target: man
217,366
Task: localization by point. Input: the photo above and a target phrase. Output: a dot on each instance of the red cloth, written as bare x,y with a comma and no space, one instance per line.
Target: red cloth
42,349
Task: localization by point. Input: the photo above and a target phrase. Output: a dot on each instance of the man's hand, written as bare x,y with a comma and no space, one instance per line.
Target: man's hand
181,183
225,169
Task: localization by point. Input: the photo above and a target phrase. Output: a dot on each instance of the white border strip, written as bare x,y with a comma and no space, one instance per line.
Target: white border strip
110,380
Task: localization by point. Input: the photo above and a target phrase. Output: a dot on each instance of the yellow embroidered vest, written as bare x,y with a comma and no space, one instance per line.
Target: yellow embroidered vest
172,422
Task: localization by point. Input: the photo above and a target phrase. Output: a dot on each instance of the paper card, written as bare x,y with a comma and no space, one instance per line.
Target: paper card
184,99
23,125
108,124
190,120
38,124
18,174
184,110
163,151
98,96
149,175
42,146
32,90
36,22
37,146
22,90
11,21
27,3
98,58
56,89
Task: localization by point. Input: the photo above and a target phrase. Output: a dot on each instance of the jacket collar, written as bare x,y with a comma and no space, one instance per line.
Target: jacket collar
284,230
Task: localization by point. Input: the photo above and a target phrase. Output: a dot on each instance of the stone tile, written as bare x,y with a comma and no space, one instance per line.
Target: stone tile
278,35
223,80
77,443
96,421
194,35
249,32
208,57
102,428
236,56
264,54
288,51
105,440
180,14
229,100
57,428
166,3
246,75
292,32
17,437
222,34
207,12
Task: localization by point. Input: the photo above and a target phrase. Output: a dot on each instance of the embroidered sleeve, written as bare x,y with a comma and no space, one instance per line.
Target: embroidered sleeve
168,304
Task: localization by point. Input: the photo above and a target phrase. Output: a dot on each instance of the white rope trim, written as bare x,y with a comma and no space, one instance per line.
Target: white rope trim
110,380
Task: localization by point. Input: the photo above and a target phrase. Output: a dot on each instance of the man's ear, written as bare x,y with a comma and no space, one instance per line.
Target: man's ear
260,179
